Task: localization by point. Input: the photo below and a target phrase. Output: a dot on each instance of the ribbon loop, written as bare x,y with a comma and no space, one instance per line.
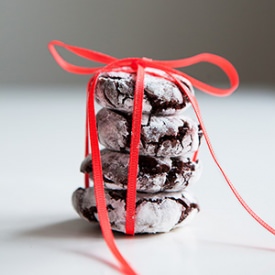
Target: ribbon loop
165,65
82,52
213,59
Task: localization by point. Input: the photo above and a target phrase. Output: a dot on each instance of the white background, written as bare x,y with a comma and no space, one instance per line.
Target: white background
41,148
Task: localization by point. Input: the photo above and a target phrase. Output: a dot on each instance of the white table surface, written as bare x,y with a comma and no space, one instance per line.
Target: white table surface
41,148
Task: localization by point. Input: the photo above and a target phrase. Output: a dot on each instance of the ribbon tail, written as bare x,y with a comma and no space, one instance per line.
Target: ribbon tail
195,105
99,186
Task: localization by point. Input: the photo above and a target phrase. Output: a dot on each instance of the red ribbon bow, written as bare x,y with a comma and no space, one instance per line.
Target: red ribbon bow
138,66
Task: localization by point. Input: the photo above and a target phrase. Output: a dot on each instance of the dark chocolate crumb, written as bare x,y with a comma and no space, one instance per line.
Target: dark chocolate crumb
118,194
149,165
115,88
89,213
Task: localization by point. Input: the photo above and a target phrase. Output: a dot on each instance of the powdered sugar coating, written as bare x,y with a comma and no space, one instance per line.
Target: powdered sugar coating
160,135
155,174
160,212
115,90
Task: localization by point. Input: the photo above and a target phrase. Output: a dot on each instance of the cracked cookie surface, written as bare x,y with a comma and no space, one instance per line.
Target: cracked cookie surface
115,90
160,212
160,135
155,174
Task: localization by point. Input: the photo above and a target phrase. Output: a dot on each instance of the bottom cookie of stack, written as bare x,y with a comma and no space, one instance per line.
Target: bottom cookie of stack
155,213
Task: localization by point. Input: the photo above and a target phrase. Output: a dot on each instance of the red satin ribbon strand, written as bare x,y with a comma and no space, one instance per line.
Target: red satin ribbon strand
134,152
213,59
84,53
196,108
99,185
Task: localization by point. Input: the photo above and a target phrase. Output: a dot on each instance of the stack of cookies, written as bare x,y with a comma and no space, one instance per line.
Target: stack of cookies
167,143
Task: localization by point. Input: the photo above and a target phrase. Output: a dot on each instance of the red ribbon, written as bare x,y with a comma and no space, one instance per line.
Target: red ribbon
138,66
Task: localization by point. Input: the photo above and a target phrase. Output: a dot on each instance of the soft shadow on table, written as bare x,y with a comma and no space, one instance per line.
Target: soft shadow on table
78,228
238,245
67,229
72,229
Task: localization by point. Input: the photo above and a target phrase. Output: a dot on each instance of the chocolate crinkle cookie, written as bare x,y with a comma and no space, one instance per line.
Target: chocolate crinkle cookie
167,164
160,135
154,174
155,213
115,90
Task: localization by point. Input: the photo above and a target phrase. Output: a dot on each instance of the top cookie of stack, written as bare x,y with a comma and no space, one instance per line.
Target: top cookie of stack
115,90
